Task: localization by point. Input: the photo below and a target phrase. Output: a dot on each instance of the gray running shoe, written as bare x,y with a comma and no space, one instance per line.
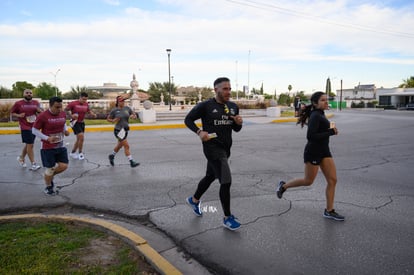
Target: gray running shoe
111,159
49,191
133,163
280,189
333,215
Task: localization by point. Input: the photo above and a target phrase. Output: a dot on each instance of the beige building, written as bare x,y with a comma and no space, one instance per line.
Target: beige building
110,90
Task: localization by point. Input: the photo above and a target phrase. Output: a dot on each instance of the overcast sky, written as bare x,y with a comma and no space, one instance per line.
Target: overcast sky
276,43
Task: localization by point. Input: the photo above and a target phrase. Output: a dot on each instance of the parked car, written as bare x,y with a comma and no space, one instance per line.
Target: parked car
410,106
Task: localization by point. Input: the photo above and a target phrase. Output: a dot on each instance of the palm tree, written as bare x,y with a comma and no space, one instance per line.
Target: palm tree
75,92
408,83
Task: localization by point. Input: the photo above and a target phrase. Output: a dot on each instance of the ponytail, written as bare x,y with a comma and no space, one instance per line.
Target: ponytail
305,113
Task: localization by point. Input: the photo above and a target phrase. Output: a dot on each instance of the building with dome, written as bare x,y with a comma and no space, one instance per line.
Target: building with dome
112,90
109,90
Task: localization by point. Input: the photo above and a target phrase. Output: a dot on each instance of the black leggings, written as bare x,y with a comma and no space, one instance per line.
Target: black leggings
217,169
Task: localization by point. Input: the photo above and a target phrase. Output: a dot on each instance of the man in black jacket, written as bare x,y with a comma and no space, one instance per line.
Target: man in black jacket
219,118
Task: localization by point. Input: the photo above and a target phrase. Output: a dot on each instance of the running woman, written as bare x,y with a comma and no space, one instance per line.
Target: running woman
120,115
317,153
219,118
26,111
50,127
77,110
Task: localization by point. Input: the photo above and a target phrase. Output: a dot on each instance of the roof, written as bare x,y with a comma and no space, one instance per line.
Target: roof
395,92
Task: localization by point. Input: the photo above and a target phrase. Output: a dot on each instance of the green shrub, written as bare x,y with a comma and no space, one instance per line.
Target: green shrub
387,107
361,104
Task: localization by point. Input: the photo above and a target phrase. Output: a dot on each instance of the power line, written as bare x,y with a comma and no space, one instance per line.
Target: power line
272,7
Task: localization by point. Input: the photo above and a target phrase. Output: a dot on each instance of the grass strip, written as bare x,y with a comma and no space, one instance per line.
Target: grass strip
50,247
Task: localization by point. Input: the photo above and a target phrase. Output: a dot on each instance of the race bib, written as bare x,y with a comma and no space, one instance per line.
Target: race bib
31,118
121,134
58,137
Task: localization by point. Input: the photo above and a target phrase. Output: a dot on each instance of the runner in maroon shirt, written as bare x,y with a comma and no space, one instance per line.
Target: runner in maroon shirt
77,110
26,110
50,127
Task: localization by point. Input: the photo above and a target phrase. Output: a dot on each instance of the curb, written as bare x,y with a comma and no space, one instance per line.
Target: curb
142,127
109,128
139,243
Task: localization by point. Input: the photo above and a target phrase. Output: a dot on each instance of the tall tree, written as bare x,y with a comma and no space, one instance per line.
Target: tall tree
5,93
75,92
284,99
45,91
302,96
407,83
156,88
19,87
328,88
206,92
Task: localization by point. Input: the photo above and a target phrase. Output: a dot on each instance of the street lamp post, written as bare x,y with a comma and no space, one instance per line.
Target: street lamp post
54,75
169,76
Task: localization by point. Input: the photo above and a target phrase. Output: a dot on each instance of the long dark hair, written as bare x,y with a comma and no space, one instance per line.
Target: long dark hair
304,114
117,100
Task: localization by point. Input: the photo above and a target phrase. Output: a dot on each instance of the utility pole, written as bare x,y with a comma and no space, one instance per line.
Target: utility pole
169,76
248,76
340,99
54,75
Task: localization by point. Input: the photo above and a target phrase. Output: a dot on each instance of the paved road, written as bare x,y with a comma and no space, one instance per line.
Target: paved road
374,158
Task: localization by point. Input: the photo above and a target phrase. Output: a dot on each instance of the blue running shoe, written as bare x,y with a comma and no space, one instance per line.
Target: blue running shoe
280,189
231,223
195,206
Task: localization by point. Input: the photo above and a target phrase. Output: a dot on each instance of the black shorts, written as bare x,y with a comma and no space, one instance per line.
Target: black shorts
121,134
315,159
51,156
220,169
28,137
79,127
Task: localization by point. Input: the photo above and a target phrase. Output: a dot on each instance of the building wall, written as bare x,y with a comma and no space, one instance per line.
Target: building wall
397,97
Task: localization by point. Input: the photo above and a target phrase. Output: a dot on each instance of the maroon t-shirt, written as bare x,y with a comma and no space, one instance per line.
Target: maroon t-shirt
51,125
80,108
29,108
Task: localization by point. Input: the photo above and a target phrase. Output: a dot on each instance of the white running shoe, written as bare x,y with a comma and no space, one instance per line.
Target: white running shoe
34,167
21,162
81,156
74,155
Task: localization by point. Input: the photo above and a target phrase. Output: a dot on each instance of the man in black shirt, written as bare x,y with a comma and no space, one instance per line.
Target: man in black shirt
219,117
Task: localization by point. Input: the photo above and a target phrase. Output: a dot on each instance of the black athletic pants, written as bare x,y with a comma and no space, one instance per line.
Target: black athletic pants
217,169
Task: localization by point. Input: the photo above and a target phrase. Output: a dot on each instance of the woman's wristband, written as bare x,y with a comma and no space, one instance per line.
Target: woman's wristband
198,131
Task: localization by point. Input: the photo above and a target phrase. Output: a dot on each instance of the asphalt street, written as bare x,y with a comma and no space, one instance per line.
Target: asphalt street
373,154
